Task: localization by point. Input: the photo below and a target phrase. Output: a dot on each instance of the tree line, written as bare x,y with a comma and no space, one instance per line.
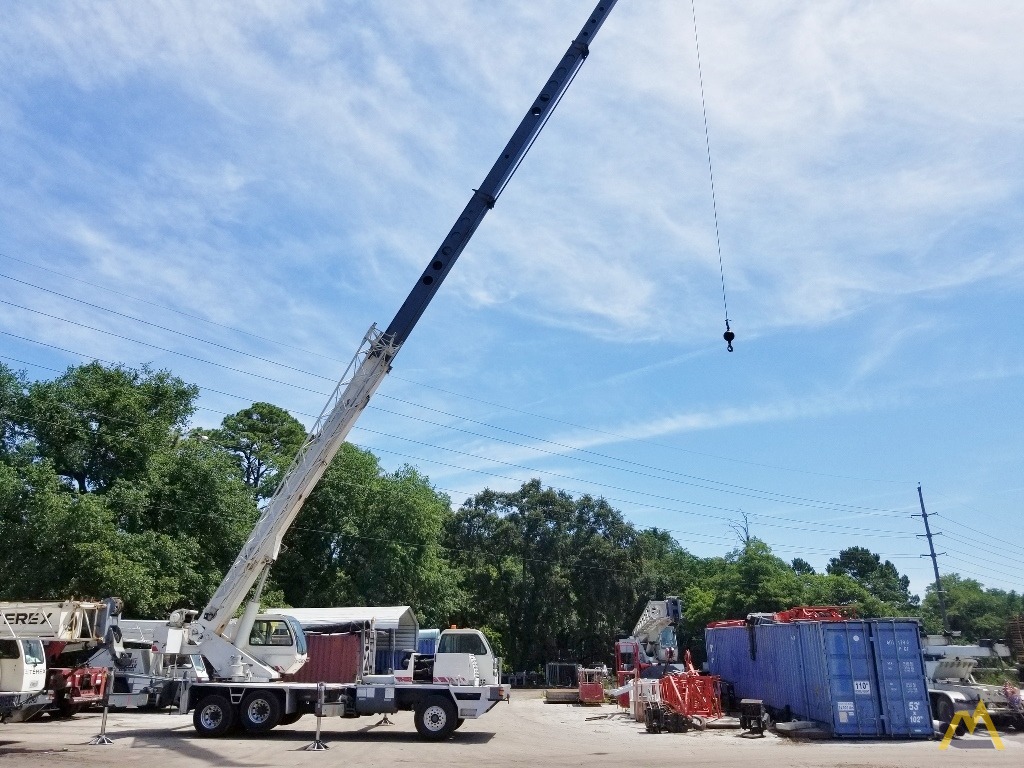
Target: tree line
106,489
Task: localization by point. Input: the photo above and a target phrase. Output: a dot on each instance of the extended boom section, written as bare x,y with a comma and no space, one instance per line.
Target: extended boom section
485,197
462,680
364,374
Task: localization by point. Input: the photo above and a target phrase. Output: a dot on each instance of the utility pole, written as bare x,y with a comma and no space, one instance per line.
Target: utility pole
935,562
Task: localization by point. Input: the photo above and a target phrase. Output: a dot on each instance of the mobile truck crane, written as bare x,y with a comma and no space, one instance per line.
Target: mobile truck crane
249,655
652,649
31,633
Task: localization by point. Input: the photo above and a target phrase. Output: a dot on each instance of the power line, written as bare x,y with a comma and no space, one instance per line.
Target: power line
170,309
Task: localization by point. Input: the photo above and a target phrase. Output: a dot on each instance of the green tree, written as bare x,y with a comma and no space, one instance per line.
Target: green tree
12,410
973,610
368,537
98,424
881,579
801,567
264,439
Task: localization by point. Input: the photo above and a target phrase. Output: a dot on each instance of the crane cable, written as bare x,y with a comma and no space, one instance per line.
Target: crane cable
728,335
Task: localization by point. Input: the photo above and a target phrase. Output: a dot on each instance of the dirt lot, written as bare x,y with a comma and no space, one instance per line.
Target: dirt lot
524,731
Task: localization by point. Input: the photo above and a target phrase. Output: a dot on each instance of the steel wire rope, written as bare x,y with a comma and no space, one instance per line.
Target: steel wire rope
711,173
818,526
153,346
713,539
441,389
1014,579
860,531
986,540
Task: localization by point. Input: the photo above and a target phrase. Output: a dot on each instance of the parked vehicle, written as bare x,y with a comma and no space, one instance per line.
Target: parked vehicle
34,638
148,666
952,687
652,649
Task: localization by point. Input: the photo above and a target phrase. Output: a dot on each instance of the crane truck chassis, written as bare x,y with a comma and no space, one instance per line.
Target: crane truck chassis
248,655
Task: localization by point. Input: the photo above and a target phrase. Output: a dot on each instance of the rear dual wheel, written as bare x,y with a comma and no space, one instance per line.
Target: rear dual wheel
260,711
216,715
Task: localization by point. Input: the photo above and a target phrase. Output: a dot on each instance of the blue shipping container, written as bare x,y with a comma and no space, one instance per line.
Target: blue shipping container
854,678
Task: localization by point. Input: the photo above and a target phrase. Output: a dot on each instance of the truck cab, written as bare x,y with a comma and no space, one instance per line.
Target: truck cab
277,641
22,673
463,657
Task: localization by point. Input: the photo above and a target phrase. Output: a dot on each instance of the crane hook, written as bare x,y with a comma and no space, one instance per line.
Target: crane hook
728,336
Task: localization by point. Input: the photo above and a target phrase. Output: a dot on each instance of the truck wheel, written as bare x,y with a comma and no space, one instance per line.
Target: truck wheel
436,718
944,712
214,716
260,711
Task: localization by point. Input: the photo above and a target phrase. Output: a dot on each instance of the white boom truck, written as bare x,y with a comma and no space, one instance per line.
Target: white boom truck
952,687
248,656
27,687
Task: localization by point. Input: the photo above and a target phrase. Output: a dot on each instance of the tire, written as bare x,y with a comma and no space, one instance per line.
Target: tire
944,713
213,716
436,718
260,711
290,719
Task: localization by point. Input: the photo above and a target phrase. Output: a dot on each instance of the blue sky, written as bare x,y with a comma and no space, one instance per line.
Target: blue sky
260,182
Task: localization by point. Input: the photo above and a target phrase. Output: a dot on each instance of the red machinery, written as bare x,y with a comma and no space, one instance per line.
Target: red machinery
591,685
685,699
798,613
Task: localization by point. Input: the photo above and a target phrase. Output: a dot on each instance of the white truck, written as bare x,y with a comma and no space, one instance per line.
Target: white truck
27,631
949,668
249,655
148,665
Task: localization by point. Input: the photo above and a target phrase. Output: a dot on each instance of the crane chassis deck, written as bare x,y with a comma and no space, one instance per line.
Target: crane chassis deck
257,707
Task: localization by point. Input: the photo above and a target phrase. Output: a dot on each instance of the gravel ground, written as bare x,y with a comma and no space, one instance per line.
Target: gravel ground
525,730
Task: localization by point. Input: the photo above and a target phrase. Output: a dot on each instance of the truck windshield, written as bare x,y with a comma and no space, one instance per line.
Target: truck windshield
270,632
300,636
33,651
468,642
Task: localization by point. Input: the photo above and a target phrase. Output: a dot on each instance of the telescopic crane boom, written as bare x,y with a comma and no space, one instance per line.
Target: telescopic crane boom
210,631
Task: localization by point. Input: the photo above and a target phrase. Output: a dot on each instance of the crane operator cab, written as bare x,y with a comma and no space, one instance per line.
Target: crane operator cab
277,641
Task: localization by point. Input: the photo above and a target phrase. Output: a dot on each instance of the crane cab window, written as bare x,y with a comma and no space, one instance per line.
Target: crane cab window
33,650
463,643
270,632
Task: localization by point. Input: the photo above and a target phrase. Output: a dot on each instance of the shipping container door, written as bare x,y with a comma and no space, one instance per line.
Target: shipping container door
900,670
856,705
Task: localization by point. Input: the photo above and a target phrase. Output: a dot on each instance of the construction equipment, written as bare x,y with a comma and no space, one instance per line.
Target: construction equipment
684,700
652,649
33,636
249,655
952,687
